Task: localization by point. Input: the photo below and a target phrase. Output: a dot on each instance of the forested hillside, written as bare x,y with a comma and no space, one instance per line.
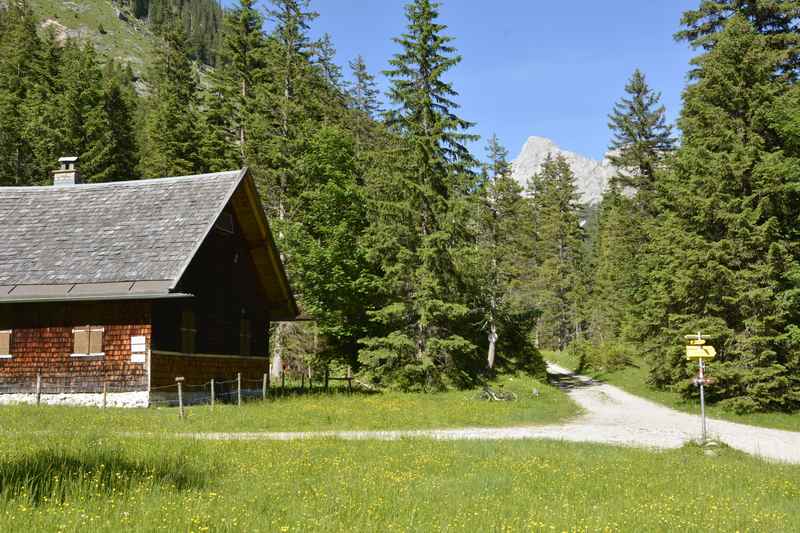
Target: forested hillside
126,30
423,266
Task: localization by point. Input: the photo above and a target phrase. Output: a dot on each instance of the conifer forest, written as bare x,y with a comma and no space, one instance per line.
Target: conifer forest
423,264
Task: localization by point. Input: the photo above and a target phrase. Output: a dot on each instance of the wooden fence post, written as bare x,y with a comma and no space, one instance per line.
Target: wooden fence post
349,380
239,388
264,385
179,381
213,392
105,395
38,388
327,375
302,380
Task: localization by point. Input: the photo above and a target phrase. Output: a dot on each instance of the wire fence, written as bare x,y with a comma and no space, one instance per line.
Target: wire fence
236,390
70,385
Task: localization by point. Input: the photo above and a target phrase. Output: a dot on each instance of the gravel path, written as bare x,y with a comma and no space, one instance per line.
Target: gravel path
611,416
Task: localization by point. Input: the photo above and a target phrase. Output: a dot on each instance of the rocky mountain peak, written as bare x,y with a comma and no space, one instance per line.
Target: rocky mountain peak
592,176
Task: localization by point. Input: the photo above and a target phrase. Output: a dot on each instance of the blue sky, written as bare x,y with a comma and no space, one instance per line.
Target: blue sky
532,67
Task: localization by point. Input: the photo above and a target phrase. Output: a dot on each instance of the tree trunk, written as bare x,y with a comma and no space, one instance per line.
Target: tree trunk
276,371
241,124
492,342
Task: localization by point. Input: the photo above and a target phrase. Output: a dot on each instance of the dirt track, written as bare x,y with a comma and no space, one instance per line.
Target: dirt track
611,416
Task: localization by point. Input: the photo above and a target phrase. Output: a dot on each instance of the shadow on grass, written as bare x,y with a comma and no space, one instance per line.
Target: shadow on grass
572,381
56,476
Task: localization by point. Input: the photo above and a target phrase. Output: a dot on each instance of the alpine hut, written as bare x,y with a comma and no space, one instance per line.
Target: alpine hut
115,289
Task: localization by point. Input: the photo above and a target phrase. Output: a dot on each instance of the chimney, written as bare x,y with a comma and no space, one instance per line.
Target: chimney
68,173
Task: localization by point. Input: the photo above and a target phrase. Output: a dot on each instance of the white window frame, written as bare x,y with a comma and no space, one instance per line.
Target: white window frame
10,339
90,329
138,355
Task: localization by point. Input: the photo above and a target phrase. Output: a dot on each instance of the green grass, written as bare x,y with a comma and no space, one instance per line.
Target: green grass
633,379
318,412
128,42
99,483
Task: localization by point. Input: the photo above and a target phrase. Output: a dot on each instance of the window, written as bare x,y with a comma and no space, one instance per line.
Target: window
5,344
245,336
138,349
88,341
188,331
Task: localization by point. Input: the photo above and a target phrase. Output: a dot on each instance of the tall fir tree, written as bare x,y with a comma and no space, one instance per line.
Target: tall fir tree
170,134
641,139
287,108
25,90
724,258
229,101
613,270
112,153
364,93
776,21
500,262
412,237
640,147
559,238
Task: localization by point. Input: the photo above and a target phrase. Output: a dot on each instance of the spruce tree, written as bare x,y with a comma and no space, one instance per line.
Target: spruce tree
25,91
112,152
171,137
557,214
287,108
640,146
776,21
500,262
423,344
364,93
613,276
229,101
641,139
325,54
724,258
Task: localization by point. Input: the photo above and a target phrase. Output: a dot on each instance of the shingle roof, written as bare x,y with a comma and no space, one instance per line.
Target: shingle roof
111,233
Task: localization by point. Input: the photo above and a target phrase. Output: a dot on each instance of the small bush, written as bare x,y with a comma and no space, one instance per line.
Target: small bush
601,357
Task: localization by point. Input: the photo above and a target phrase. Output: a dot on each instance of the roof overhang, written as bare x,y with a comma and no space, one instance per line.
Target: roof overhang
77,292
250,214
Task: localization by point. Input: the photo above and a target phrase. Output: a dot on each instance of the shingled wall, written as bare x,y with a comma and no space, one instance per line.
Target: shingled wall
42,342
199,369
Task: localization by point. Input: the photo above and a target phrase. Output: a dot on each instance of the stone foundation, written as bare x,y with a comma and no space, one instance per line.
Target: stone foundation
113,399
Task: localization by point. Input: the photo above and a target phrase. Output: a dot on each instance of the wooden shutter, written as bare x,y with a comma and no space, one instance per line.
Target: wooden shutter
245,336
81,341
96,340
5,342
188,331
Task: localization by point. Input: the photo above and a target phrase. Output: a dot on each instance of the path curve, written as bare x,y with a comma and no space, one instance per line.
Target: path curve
612,416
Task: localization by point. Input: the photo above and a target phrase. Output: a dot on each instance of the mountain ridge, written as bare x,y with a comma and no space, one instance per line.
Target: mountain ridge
592,176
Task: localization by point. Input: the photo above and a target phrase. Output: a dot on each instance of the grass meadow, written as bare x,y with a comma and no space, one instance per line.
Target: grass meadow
100,483
318,411
634,380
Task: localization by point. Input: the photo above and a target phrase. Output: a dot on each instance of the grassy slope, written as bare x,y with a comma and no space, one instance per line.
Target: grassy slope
101,483
634,380
128,42
317,412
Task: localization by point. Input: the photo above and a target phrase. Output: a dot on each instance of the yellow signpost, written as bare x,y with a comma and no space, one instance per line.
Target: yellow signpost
699,351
